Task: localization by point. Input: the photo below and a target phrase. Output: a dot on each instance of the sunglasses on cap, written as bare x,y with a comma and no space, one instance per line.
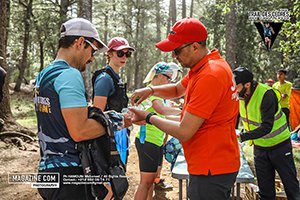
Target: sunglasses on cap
95,50
121,53
168,77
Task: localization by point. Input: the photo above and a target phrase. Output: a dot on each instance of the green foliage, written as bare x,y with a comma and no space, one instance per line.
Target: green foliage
136,21
44,28
290,44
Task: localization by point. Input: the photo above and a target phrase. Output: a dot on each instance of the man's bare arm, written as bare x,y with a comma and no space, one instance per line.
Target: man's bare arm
79,126
183,130
168,91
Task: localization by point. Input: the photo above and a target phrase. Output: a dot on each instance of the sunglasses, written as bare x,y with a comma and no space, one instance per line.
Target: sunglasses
121,53
178,50
95,50
168,77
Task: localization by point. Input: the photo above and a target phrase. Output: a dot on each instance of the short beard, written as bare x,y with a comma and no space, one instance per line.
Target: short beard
242,92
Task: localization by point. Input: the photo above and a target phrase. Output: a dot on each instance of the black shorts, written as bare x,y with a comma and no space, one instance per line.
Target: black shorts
66,191
150,156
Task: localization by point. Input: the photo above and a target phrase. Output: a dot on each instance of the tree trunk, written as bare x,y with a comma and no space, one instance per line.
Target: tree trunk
217,31
183,9
85,11
64,5
158,26
129,69
173,11
231,35
139,58
169,22
137,53
192,8
105,34
5,111
24,62
41,55
172,15
142,44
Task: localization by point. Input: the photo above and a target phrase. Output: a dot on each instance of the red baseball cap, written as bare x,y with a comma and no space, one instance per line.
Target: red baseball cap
184,31
270,80
119,43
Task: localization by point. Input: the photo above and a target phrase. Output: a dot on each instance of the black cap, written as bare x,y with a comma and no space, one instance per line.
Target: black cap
282,70
242,75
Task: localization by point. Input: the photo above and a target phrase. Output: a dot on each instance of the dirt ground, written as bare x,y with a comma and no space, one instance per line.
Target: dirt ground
14,160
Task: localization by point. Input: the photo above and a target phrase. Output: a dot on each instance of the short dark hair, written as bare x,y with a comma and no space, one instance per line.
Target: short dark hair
282,71
67,41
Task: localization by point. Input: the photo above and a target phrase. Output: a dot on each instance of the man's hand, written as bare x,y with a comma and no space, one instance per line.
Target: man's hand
139,95
127,119
138,116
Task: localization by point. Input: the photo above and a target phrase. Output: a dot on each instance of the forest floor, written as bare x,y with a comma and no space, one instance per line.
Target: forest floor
16,160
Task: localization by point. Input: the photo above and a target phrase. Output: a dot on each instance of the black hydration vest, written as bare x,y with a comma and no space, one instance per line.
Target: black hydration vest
119,99
99,157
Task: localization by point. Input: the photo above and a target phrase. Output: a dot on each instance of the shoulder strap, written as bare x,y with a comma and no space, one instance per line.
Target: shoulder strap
111,74
100,71
95,75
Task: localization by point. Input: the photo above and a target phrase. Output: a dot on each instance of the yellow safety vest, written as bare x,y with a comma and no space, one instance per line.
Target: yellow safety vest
251,118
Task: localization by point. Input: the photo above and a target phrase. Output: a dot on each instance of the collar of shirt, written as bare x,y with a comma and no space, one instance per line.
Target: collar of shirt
214,54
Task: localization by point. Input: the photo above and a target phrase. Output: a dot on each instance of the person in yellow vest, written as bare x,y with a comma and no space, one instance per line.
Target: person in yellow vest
266,127
285,88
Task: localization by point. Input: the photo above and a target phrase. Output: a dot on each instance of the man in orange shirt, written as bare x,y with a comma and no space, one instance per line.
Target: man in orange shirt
207,125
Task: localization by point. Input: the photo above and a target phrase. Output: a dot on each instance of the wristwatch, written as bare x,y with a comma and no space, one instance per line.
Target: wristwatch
149,116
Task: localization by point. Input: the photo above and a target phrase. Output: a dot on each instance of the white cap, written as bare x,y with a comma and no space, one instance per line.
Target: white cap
84,28
177,71
161,68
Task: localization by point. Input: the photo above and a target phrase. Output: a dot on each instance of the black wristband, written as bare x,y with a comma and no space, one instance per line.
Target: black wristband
149,116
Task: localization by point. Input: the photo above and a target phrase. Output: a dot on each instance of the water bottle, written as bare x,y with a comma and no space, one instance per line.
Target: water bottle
142,133
145,105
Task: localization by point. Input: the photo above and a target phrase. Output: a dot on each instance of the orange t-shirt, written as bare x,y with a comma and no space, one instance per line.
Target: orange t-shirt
211,94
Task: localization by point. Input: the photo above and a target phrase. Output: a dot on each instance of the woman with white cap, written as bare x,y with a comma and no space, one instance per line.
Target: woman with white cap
149,140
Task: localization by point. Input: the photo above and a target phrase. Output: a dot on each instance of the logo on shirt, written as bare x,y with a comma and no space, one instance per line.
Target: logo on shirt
42,104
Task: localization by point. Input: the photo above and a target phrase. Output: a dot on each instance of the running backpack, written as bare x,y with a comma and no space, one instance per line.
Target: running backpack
171,150
99,157
118,100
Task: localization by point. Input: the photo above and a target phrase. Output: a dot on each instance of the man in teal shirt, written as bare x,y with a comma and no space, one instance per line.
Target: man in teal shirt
61,108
